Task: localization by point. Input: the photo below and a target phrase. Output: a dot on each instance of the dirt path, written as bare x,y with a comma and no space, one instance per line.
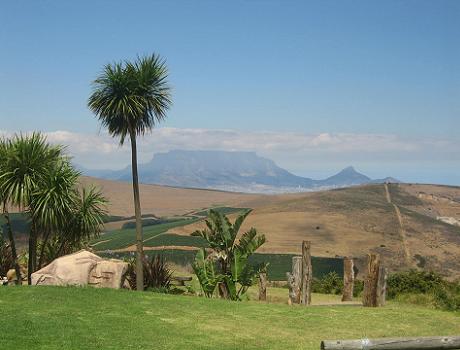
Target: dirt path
402,231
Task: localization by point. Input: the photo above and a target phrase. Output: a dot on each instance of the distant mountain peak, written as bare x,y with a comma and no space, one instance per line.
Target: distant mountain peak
229,170
348,169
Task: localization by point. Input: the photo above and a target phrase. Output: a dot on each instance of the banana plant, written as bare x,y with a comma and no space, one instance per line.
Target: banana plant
226,265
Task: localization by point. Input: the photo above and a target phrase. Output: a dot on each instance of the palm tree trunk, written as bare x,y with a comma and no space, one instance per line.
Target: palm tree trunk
137,212
42,250
12,245
32,263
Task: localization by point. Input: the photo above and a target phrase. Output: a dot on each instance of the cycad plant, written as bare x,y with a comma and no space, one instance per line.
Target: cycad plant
225,266
157,274
130,98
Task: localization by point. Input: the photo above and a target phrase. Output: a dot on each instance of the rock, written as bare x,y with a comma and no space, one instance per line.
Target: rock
81,269
11,275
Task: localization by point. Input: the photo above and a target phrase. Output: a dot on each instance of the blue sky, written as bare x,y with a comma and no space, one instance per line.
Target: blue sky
353,68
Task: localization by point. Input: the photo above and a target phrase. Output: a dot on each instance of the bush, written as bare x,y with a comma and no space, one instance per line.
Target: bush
331,283
412,284
157,275
358,288
448,298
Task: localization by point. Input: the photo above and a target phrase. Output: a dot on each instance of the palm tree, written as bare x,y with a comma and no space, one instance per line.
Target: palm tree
67,230
39,180
27,161
130,98
4,154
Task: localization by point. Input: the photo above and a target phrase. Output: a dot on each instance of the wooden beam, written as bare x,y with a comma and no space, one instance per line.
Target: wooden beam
411,343
348,279
307,274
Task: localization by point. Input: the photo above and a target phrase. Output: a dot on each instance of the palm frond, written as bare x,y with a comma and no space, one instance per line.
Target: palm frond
130,98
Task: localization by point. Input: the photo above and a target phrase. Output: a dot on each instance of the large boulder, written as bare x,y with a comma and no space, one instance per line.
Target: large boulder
81,269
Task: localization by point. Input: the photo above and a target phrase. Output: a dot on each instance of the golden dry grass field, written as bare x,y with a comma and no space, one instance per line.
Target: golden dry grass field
399,222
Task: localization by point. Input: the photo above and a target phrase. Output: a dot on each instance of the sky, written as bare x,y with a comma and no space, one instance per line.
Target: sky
315,86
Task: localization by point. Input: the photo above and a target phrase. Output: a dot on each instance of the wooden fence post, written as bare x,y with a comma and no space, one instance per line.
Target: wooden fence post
348,279
297,272
262,286
307,273
294,280
370,292
382,286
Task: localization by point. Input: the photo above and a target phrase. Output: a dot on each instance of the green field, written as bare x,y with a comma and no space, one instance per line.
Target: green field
125,237
85,318
169,239
222,210
279,264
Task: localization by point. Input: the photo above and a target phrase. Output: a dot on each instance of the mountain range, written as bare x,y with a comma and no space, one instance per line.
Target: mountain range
229,171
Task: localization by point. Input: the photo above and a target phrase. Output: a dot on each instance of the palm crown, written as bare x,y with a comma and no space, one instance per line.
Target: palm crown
129,98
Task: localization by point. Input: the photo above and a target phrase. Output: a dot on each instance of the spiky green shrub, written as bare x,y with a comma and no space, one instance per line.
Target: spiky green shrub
330,283
157,274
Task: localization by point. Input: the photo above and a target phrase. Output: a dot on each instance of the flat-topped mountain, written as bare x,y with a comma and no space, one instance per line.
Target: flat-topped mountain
231,171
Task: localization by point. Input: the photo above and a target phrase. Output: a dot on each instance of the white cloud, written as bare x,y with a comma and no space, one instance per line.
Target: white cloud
295,151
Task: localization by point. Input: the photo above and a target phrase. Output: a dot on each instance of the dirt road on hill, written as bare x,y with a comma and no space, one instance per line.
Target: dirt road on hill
402,231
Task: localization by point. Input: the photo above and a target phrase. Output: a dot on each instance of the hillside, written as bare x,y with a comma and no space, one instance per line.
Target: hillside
162,200
401,224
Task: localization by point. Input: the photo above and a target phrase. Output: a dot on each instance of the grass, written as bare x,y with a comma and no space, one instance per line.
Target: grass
351,199
85,318
170,239
222,210
148,222
125,237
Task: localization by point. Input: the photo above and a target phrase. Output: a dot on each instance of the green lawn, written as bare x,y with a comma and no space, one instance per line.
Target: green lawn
86,318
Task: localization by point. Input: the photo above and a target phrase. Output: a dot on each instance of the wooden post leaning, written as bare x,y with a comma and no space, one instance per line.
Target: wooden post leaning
370,292
307,274
262,286
348,279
